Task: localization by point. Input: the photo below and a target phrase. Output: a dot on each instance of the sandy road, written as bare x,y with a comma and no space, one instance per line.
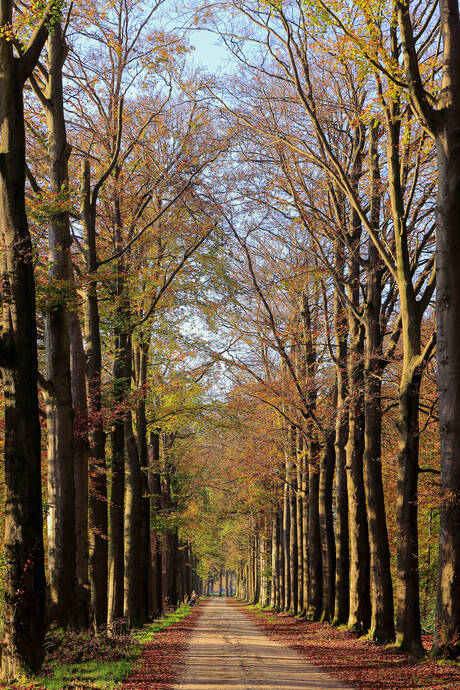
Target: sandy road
227,651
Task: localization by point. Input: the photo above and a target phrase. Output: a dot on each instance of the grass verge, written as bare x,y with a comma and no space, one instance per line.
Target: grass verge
85,661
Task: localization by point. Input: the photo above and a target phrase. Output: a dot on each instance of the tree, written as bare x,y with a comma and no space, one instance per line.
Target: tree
24,612
442,118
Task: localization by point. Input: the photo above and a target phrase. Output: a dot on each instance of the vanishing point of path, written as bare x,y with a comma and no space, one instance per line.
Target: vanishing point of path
227,651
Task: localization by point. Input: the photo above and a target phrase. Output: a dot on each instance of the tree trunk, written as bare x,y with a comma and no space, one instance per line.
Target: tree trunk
132,606
140,429
58,396
293,553
305,528
408,627
382,622
447,628
81,451
154,480
360,605
24,607
299,520
98,541
281,586
121,386
315,570
443,119
342,567
116,541
286,547
327,528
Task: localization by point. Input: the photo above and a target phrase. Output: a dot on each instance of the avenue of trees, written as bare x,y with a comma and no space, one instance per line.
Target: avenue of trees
230,314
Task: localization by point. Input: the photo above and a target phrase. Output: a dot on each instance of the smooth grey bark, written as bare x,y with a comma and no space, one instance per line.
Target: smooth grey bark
140,369
326,527
121,385
342,547
98,559
382,620
154,481
360,604
117,439
315,568
57,392
132,601
81,452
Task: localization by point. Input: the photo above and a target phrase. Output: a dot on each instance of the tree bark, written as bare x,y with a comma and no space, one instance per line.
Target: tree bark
155,543
24,607
98,540
121,384
342,568
315,568
117,526
444,122
382,621
327,528
81,452
140,361
360,605
58,396
132,602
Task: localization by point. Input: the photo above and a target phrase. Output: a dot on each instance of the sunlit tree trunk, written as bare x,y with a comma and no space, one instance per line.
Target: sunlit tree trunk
292,489
155,539
117,437
299,520
121,386
80,447
305,527
326,527
57,391
286,548
275,567
98,478
444,122
140,363
342,568
382,622
408,628
315,569
133,565
360,605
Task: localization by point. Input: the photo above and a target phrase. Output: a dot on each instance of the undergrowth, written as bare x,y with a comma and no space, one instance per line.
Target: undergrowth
87,660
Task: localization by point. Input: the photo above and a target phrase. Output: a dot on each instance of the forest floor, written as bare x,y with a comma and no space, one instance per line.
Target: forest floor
224,644
355,660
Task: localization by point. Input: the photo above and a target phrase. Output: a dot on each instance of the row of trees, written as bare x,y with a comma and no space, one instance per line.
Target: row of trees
334,205
101,214
230,286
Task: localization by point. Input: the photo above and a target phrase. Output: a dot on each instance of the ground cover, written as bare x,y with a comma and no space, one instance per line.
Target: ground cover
353,659
140,658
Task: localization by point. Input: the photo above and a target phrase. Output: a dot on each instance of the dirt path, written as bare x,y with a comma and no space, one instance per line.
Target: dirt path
227,650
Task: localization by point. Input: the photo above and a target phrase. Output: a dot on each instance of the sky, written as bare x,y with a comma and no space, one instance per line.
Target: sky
208,52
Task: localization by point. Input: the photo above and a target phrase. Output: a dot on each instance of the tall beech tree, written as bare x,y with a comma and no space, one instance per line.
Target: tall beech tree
442,118
57,384
24,612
